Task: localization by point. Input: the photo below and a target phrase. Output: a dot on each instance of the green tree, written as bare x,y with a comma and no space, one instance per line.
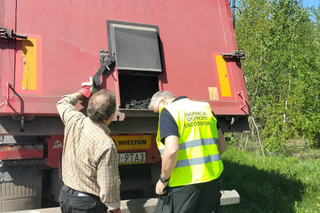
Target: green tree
282,68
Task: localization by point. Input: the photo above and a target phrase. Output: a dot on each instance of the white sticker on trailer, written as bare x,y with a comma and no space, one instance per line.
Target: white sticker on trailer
132,158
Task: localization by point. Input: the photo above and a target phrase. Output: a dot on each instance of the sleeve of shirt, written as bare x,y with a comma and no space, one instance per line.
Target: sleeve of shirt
67,110
218,126
168,125
108,179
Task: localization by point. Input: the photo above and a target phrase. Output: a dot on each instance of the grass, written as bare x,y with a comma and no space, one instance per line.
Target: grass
275,183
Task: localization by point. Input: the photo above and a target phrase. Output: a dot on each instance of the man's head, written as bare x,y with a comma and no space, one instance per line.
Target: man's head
160,99
102,106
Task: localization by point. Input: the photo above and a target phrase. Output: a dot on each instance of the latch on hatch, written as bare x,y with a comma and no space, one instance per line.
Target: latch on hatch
6,33
235,54
106,62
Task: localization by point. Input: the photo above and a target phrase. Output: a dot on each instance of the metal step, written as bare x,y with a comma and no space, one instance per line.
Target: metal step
145,205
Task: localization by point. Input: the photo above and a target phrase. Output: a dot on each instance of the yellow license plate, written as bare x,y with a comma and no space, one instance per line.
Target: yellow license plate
132,142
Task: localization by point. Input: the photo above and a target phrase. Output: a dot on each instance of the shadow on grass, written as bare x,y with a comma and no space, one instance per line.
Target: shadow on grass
260,190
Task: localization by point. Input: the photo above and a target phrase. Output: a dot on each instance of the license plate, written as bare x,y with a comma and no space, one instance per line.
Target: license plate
132,158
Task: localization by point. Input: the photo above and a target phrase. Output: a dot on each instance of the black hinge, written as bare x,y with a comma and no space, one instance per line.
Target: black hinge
6,33
235,54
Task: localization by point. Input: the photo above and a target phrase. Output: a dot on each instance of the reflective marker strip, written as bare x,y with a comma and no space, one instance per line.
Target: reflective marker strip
195,143
223,76
199,142
29,52
197,161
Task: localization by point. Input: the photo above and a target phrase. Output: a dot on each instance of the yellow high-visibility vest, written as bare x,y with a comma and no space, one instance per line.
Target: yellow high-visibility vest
198,156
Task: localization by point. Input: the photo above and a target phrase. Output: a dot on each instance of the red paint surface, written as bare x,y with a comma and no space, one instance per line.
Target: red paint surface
21,154
54,154
74,31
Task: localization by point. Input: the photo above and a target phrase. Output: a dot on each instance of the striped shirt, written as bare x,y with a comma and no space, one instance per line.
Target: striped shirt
89,158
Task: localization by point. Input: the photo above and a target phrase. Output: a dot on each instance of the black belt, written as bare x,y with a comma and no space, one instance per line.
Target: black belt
76,192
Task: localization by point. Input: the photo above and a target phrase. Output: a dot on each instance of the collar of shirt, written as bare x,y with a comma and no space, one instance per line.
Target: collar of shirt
104,127
179,98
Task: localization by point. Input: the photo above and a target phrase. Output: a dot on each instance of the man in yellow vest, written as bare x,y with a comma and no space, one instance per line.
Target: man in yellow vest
190,142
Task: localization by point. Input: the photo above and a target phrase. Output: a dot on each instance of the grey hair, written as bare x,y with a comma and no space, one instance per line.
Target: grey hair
158,96
101,106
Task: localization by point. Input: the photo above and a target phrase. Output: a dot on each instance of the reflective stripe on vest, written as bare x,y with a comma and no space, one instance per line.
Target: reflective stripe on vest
194,143
198,161
198,157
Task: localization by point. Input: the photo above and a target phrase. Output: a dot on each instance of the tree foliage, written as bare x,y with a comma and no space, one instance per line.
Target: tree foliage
281,40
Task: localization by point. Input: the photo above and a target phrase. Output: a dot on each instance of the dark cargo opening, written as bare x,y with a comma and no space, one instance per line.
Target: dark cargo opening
136,91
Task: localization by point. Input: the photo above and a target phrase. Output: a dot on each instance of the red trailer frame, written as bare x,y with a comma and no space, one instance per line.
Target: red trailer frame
64,39
197,52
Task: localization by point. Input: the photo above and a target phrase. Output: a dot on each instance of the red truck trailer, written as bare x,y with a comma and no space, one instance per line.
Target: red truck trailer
131,47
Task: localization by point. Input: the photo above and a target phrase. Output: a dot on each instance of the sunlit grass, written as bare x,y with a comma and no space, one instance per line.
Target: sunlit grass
272,184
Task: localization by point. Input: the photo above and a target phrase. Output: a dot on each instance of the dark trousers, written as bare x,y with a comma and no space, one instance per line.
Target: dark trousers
73,201
197,198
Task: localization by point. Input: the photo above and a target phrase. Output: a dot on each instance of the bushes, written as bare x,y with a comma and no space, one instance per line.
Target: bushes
283,68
